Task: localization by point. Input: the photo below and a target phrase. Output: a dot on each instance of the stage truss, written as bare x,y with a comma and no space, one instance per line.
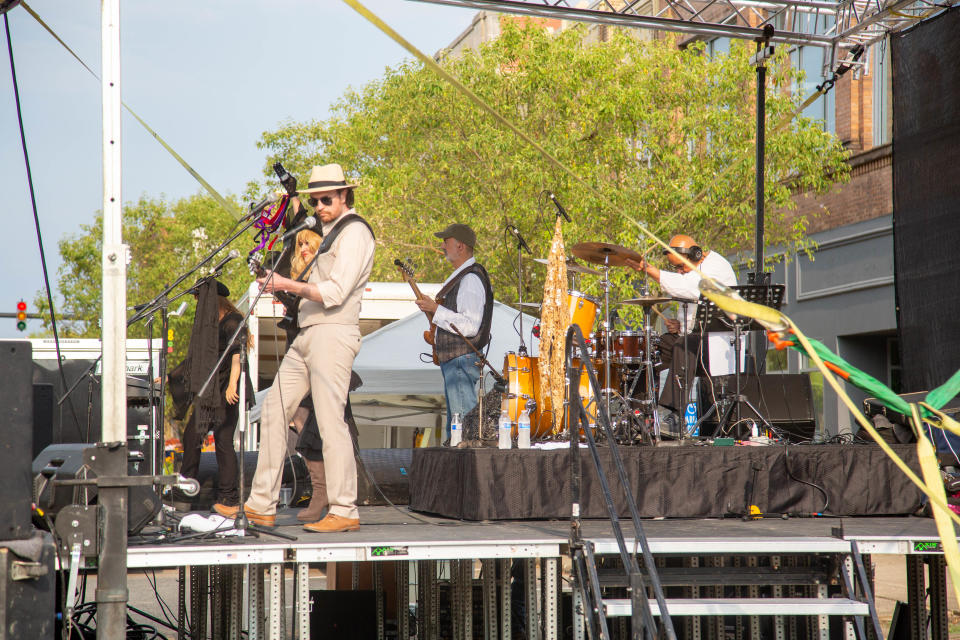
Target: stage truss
837,26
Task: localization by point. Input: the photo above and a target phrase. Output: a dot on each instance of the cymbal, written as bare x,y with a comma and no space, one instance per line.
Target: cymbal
532,305
647,301
604,253
571,266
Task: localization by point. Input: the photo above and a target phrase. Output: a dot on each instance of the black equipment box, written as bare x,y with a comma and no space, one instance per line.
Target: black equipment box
28,590
16,398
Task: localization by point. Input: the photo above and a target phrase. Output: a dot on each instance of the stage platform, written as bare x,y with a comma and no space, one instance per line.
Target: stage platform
397,534
247,579
687,481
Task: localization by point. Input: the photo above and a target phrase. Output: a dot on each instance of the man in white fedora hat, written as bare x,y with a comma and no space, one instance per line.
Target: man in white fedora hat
320,358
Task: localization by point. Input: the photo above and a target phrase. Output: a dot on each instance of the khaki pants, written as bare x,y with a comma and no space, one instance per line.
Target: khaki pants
318,362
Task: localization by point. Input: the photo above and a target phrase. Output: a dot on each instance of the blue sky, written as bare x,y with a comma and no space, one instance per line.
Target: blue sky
208,76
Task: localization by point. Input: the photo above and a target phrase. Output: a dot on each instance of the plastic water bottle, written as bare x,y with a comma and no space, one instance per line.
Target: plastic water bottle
504,430
456,433
754,431
523,430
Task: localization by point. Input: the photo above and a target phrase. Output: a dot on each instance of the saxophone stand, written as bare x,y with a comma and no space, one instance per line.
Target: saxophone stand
712,318
242,524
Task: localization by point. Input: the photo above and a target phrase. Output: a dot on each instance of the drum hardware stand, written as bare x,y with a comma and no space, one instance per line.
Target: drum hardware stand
500,383
605,283
712,318
522,349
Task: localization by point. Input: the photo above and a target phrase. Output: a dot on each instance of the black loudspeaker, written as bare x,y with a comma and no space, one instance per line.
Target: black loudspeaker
78,417
28,591
390,470
784,399
346,615
42,417
66,461
16,446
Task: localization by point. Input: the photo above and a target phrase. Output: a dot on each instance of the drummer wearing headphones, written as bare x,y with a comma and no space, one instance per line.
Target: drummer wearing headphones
464,303
683,283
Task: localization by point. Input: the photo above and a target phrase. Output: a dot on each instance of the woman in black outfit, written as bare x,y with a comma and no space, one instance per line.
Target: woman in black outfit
218,410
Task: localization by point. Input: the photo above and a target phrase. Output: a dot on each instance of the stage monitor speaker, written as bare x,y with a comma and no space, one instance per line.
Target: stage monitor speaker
784,399
16,399
346,615
390,470
66,461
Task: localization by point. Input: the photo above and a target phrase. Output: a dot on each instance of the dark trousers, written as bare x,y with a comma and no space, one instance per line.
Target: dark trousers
227,470
680,356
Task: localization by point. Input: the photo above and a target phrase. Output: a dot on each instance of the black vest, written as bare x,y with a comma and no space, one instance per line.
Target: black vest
449,344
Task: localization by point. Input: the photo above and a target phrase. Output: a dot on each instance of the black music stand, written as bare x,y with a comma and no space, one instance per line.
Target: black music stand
711,318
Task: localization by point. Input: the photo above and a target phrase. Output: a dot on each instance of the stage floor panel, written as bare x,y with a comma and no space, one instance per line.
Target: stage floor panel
390,534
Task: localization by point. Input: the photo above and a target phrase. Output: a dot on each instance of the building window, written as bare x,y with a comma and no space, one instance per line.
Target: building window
881,91
894,367
718,47
810,60
816,384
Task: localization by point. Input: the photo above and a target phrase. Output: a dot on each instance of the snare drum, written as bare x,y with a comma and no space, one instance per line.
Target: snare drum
582,310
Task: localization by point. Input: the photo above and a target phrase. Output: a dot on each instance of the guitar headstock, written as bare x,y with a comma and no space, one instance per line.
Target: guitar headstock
406,269
256,267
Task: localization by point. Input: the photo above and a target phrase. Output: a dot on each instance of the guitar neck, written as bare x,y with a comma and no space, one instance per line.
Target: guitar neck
419,295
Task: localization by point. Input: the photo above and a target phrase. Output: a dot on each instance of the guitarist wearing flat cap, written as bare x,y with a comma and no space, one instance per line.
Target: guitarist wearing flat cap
464,303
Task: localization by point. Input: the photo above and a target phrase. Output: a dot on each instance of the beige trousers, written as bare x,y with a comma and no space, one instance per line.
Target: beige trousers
318,362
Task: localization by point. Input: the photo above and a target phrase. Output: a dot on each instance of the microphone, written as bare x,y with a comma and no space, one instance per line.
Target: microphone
559,206
309,223
227,258
268,199
523,243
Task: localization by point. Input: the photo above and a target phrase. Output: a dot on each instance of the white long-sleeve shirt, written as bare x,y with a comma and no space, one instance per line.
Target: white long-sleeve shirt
470,299
686,286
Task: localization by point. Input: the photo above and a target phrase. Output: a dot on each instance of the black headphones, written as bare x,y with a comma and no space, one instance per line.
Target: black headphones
693,254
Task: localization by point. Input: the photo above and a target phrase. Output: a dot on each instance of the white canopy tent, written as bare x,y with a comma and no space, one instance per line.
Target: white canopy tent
390,362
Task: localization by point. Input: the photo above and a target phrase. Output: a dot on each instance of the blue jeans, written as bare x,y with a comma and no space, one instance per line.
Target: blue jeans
460,376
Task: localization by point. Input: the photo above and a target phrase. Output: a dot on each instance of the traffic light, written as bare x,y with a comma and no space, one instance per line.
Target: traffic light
22,316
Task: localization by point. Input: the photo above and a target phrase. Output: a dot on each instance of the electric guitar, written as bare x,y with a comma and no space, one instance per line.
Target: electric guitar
406,272
289,301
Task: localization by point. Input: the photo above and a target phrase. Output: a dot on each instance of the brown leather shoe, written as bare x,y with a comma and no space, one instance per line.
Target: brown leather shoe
334,523
227,511
262,519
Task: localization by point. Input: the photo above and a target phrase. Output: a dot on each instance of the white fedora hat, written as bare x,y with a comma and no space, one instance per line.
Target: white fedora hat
329,177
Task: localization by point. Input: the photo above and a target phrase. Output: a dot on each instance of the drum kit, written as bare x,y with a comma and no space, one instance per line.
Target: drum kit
623,360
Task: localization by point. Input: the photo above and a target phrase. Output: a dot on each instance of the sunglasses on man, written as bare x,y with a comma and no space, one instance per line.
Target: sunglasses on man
324,200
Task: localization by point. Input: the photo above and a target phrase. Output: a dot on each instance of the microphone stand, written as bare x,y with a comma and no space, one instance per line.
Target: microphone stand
500,383
242,524
522,349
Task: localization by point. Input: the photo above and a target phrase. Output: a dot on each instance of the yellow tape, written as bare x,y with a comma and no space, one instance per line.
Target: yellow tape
206,185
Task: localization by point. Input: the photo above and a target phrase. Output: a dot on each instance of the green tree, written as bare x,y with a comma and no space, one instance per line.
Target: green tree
666,135
165,239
